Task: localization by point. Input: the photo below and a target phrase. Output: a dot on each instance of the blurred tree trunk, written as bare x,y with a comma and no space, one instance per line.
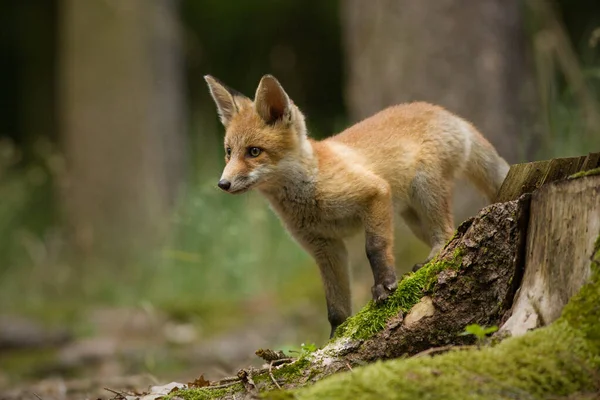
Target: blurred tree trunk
36,108
122,121
468,56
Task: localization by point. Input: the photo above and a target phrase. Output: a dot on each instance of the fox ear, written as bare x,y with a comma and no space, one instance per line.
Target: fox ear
225,99
271,102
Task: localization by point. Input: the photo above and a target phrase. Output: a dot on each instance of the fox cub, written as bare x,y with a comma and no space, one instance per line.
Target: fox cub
400,161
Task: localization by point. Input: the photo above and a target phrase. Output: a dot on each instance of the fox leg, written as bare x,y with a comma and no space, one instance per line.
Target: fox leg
379,238
431,203
332,258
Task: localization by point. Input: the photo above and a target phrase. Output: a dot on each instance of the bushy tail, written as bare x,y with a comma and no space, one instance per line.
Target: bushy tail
485,168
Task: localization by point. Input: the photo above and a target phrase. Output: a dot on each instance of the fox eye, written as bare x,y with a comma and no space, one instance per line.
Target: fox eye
228,152
254,151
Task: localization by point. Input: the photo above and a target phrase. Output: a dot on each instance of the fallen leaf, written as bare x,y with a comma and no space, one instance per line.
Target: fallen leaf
199,382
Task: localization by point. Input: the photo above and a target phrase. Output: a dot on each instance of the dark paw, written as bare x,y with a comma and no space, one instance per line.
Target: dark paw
333,329
382,291
336,318
418,266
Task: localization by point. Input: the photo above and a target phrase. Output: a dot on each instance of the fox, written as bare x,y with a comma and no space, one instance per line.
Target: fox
399,162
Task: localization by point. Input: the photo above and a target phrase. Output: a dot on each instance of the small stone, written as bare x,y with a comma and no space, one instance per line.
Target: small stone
423,308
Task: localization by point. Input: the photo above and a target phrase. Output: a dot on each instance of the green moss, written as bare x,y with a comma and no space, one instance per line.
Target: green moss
373,318
554,360
205,393
583,311
291,371
590,172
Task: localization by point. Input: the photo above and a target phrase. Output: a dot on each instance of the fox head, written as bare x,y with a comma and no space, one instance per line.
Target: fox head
260,134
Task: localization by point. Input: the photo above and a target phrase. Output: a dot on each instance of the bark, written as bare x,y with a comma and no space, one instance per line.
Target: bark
488,252
121,115
547,237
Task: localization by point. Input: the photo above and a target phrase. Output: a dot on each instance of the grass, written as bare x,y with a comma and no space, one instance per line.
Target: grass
223,249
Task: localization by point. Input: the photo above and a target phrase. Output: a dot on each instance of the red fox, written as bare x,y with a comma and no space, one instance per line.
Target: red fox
400,161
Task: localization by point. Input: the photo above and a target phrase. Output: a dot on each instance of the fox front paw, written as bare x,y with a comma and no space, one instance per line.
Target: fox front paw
382,291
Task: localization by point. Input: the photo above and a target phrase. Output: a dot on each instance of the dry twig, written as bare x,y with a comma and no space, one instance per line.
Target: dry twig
271,375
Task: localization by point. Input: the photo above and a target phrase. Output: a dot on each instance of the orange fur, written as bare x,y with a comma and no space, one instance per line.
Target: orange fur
401,161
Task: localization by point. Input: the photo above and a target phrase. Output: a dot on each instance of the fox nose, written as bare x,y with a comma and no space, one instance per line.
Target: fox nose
224,184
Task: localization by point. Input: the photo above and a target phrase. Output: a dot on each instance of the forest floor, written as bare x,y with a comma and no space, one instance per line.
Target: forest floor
125,342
